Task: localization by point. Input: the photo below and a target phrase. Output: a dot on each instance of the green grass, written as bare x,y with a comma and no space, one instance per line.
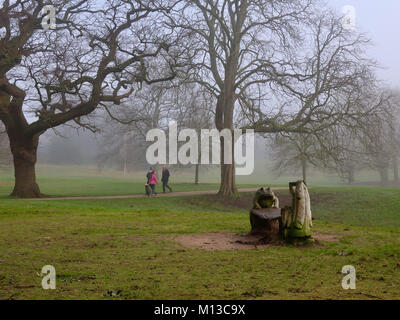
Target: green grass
74,185
127,246
80,181
87,181
97,186
366,206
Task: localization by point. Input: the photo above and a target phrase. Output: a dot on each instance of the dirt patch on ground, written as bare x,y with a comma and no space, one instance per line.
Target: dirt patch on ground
6,184
229,241
218,241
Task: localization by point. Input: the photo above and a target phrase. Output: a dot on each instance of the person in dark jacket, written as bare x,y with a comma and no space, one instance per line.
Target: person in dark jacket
148,175
165,179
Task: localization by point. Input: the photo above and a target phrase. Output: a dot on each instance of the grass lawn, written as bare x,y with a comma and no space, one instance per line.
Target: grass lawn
99,186
71,181
56,180
127,247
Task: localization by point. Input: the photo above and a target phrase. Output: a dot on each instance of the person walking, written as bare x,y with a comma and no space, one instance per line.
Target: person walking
165,179
152,182
148,175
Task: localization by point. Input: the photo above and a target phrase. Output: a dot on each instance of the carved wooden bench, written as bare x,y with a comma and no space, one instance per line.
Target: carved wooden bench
266,221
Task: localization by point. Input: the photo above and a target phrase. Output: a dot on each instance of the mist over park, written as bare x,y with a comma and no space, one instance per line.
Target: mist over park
190,150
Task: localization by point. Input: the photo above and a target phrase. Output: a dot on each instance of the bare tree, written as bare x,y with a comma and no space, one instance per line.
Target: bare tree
284,66
148,108
233,42
381,141
97,54
358,142
194,111
292,152
154,107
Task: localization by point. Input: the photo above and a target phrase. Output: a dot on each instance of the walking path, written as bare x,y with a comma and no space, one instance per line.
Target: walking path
139,196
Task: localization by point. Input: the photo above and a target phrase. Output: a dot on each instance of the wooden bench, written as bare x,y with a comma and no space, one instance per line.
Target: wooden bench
266,222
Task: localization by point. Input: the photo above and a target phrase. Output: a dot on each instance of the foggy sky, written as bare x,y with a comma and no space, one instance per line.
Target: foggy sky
381,21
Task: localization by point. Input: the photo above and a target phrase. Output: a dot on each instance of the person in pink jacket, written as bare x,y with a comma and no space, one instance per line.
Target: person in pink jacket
153,181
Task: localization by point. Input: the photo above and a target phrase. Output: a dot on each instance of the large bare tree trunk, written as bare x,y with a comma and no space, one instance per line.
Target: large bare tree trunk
23,146
224,120
24,152
228,183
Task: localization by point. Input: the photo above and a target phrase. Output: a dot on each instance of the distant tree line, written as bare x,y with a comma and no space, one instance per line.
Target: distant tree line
123,136
346,148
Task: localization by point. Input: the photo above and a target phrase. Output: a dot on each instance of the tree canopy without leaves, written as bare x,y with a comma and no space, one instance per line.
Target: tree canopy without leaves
274,66
355,143
292,152
99,53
